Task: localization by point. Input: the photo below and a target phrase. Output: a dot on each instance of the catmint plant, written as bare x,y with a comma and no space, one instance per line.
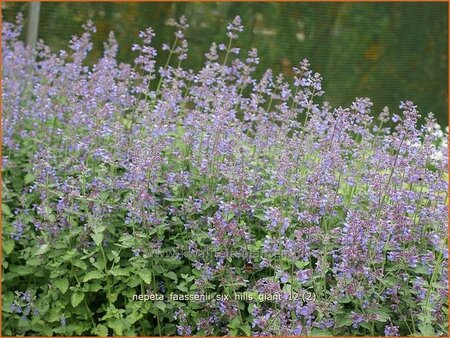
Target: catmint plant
154,200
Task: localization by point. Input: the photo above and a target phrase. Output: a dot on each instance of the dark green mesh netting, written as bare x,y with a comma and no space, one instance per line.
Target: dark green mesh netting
389,52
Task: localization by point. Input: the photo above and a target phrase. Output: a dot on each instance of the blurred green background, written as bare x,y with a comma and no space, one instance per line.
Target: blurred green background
389,52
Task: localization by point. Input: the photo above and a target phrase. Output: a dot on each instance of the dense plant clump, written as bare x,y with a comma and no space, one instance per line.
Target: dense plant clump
288,216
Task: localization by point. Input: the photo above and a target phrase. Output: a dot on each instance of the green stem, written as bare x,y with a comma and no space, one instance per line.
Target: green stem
228,51
309,107
433,279
166,64
108,284
84,299
382,197
154,290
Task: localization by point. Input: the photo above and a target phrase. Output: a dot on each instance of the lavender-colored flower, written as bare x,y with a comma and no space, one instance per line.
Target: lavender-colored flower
391,331
184,330
357,319
19,229
234,27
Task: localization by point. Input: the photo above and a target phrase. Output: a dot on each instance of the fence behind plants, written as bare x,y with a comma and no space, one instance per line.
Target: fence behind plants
387,51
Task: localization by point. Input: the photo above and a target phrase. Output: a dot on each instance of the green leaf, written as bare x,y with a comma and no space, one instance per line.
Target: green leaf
100,264
343,320
117,325
427,330
127,241
133,318
62,284
383,316
321,333
46,331
346,299
98,238
24,270
267,200
56,273
8,298
301,264
94,286
76,298
79,264
112,297
29,178
42,306
182,287
119,272
229,216
77,328
34,261
233,332
207,205
95,274
42,249
246,329
235,323
6,210
261,217
422,270
69,255
53,315
174,199
133,282
172,275
146,276
8,246
366,326
160,305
